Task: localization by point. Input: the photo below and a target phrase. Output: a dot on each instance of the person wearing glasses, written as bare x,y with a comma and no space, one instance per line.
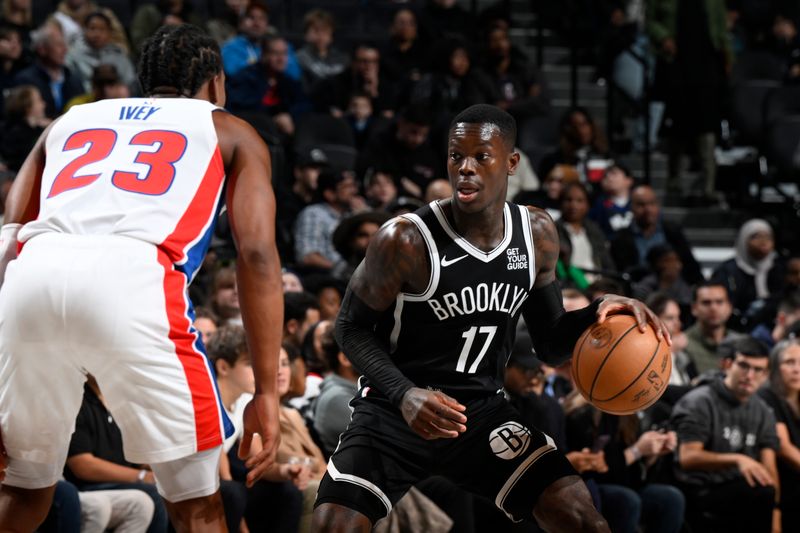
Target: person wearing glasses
782,393
727,446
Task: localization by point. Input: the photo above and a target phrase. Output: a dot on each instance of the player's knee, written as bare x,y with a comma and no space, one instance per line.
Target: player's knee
566,505
332,518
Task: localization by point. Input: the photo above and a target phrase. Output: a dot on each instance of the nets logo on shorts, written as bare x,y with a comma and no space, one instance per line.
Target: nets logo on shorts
509,440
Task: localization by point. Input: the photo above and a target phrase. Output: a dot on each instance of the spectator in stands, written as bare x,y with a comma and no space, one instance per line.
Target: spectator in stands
25,122
404,150
151,16
246,48
72,15
18,14
296,196
782,394
225,297
579,140
96,462
223,24
328,291
56,82
438,189
12,58
548,196
711,308
318,58
96,48
300,312
364,75
445,18
524,179
362,120
727,444
291,281
665,266
583,245
351,238
106,83
380,189
273,503
788,314
630,245
755,272
454,83
331,408
336,193
404,56
266,86
517,82
205,321
612,208
627,497
695,55
669,312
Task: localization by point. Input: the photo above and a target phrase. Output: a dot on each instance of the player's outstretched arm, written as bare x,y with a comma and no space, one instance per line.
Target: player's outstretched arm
22,203
251,208
554,331
396,261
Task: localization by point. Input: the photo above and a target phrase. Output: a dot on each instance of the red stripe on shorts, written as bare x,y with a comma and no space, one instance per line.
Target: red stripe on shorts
198,375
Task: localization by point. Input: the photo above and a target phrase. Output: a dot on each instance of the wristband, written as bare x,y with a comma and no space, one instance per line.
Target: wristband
141,475
637,454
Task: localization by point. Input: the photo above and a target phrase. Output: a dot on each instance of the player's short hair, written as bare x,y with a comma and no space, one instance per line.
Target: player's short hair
228,344
179,60
489,114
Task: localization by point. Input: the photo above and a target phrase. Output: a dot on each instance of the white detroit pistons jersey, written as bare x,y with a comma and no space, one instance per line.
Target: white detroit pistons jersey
149,169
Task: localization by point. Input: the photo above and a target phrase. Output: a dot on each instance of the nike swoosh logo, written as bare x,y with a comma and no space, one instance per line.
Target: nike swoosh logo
445,262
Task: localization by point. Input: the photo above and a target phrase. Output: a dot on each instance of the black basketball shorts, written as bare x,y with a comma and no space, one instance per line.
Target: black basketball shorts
379,458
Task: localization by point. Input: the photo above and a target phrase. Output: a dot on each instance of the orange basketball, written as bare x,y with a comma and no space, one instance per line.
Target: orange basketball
619,369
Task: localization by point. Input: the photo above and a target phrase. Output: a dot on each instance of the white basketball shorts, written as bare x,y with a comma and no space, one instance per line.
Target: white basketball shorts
117,308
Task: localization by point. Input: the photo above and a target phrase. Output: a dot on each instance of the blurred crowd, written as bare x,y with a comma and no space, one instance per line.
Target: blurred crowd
356,121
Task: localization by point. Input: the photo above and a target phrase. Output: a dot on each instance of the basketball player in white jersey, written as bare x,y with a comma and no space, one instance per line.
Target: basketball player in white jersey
114,209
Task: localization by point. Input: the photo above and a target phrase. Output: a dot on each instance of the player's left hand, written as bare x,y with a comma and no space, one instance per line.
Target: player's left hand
613,304
433,414
260,416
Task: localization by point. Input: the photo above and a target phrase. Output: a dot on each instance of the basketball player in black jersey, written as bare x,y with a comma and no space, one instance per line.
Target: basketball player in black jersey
429,320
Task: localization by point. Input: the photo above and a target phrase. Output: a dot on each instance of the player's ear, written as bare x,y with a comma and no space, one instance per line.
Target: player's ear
513,162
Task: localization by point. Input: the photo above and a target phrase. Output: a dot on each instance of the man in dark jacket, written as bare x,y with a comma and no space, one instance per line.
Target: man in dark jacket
56,83
630,246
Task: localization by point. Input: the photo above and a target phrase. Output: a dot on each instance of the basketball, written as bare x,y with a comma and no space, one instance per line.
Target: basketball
619,369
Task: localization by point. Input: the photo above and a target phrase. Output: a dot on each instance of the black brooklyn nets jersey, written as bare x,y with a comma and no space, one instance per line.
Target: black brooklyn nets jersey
456,336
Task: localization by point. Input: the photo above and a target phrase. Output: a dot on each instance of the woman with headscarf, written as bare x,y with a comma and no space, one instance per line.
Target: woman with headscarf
752,275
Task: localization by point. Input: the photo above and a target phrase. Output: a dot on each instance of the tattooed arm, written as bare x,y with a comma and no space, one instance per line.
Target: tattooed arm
554,331
396,261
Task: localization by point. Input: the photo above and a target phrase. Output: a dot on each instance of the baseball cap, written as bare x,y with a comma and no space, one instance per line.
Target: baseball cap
311,157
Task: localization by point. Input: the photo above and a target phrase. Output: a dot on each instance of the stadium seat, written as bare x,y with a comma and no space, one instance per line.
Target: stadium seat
747,102
783,139
780,103
321,128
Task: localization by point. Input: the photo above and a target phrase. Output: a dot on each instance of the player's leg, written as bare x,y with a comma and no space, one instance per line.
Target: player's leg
190,488
565,505
24,509
377,460
521,470
41,387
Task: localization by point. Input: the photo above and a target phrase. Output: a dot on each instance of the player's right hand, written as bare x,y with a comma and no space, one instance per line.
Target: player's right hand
433,414
754,472
261,417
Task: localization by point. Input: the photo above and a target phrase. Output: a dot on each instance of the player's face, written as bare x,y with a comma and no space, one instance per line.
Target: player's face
478,165
746,374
